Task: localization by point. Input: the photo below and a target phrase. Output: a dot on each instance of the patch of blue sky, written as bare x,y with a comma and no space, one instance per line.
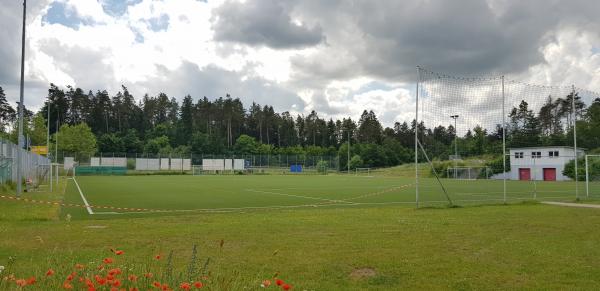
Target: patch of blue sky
159,23
117,7
58,13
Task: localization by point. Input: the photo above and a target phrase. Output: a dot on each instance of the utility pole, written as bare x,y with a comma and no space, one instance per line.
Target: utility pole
20,137
455,117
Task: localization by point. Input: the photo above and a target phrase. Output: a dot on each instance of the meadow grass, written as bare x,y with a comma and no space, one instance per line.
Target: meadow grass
366,246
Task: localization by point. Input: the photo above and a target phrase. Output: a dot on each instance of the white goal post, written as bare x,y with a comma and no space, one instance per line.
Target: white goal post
468,173
592,163
360,171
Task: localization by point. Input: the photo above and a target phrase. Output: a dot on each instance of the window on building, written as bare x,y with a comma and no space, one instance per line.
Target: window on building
536,155
518,155
553,154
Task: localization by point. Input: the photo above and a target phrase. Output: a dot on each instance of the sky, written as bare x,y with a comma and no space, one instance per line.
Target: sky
338,57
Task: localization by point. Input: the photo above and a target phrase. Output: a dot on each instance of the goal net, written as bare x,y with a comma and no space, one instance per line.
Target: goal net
468,173
487,121
363,172
592,176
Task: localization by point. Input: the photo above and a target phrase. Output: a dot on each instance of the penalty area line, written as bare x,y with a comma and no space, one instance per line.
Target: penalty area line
87,205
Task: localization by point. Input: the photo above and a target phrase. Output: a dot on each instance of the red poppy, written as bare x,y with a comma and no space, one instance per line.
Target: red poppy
148,275
115,271
50,272
133,289
165,287
70,277
91,288
116,283
119,252
156,284
79,266
286,287
67,285
21,282
100,280
110,277
108,260
279,282
114,289
89,282
185,286
157,257
132,278
198,285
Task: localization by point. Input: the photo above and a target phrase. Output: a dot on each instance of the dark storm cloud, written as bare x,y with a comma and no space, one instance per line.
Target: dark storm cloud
11,24
388,39
214,82
265,22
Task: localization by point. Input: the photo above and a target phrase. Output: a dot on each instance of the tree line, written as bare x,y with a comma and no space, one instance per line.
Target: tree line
161,124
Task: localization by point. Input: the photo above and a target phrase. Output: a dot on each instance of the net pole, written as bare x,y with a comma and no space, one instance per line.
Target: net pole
48,143
574,112
587,178
348,151
417,140
21,97
503,141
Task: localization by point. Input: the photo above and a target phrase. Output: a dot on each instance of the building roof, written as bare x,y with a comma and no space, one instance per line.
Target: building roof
546,147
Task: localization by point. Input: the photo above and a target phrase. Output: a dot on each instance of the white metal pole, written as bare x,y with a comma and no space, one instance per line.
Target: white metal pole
21,97
348,151
56,149
587,178
503,141
417,141
48,156
455,144
574,112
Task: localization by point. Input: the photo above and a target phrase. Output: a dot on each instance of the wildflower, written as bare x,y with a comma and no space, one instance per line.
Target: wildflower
157,257
91,288
116,283
198,285
286,287
100,280
165,287
132,278
148,275
185,286
133,289
115,271
108,260
101,267
79,266
119,252
49,273
265,283
31,281
279,282
67,285
156,284
110,277
70,277
1,269
21,282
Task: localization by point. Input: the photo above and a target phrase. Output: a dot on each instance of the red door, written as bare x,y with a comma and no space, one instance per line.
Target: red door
524,174
549,174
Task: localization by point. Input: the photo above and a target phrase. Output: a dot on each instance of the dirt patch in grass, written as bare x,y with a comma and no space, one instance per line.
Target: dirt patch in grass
363,273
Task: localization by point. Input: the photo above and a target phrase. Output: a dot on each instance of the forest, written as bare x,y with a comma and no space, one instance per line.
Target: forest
100,123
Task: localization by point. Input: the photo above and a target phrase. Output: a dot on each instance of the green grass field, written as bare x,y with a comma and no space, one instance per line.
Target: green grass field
184,193
332,232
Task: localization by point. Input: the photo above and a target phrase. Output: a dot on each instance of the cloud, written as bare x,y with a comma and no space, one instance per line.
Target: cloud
265,23
339,57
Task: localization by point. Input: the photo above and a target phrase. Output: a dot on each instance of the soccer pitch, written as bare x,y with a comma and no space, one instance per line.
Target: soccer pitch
148,195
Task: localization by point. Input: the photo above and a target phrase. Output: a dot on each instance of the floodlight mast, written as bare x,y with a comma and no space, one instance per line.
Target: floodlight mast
20,137
455,117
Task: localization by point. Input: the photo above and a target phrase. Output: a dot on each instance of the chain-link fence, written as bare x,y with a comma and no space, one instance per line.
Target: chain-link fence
179,162
34,168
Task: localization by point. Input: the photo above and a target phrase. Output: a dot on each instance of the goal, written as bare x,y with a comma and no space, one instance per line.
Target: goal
363,172
592,176
468,173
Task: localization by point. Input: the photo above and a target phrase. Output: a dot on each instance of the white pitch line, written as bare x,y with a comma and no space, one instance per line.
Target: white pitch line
87,205
297,196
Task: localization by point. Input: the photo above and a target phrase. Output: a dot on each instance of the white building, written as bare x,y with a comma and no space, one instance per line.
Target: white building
541,163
